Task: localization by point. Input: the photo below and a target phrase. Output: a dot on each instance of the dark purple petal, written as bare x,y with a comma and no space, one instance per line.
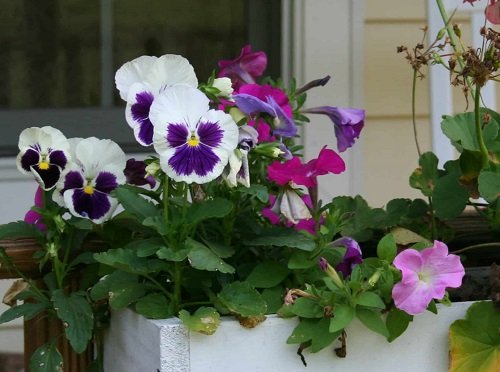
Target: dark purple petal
210,134
49,176
73,180
284,126
105,182
140,114
58,157
251,105
352,255
135,173
198,159
177,134
323,264
30,158
346,135
92,206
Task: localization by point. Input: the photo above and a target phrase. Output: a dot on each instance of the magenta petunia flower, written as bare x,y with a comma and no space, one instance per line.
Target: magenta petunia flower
33,217
297,217
347,122
293,170
426,275
492,12
244,69
352,256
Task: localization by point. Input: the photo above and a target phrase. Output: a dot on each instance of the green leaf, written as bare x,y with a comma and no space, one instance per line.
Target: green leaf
220,249
214,208
127,260
19,229
342,317
284,238
475,340
258,191
397,322
205,320
157,223
450,197
274,299
307,308
28,310
424,177
169,254
77,316
202,258
301,260
489,185
154,305
372,320
135,204
120,287
313,330
46,359
241,298
370,299
145,247
387,248
267,274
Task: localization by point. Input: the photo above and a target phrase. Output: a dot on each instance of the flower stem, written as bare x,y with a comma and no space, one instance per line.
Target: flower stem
413,111
479,131
165,200
177,286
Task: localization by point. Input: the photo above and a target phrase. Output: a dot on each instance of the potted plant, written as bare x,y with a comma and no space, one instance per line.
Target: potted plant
224,219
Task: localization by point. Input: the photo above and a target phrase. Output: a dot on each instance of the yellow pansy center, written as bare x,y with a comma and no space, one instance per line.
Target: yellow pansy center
193,141
88,190
43,165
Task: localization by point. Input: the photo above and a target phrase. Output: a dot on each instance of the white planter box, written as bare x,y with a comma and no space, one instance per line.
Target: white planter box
135,343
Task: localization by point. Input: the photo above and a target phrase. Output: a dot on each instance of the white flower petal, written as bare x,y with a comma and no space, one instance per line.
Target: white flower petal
132,72
171,69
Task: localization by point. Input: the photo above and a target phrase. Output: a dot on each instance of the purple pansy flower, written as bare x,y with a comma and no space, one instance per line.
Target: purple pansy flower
426,275
194,143
135,173
44,152
33,217
352,256
348,123
245,68
141,80
85,187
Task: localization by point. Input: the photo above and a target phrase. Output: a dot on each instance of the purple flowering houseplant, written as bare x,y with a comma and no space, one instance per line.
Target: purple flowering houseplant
224,218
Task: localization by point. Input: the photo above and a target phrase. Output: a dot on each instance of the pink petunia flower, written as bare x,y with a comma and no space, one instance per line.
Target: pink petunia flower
426,275
244,69
293,170
33,217
492,12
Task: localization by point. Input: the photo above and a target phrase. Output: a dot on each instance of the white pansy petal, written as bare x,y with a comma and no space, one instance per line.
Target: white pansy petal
228,126
133,72
171,69
95,154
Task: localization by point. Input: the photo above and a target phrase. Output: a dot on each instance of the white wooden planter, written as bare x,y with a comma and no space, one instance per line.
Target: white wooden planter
135,343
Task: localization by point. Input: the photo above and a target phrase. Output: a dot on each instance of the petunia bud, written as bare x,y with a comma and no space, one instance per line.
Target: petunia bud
153,168
224,86
330,271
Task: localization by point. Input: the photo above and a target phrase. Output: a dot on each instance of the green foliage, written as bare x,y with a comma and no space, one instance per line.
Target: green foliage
342,317
128,261
19,229
397,322
213,208
153,305
134,203
372,320
242,299
27,310
267,274
313,331
283,238
386,248
46,359
203,258
475,340
204,320
121,288
489,185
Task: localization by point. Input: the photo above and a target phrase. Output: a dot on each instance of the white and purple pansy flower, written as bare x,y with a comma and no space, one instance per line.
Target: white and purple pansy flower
45,152
85,187
194,143
141,80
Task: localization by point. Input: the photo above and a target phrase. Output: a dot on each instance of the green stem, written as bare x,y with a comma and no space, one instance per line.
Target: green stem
479,131
413,112
177,286
433,220
165,199
158,285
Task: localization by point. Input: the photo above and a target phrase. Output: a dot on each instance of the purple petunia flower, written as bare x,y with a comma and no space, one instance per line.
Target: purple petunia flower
245,68
348,123
426,274
194,143
44,152
352,256
135,173
96,171
141,80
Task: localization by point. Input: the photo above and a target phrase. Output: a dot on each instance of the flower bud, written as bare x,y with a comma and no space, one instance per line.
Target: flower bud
153,168
269,149
330,271
236,114
224,86
51,249
374,278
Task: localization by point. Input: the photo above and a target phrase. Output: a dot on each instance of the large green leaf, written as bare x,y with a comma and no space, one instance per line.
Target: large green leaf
214,208
121,288
425,176
314,330
489,185
475,340
135,204
450,197
145,247
397,322
258,191
28,310
19,229
370,299
204,320
342,317
77,316
267,274
387,248
242,299
372,320
283,238
307,308
203,258
127,260
154,305
46,359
